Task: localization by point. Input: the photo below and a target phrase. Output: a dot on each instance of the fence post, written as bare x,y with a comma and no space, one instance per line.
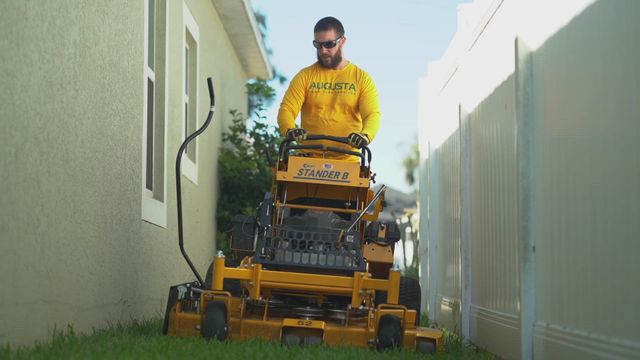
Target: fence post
524,125
465,221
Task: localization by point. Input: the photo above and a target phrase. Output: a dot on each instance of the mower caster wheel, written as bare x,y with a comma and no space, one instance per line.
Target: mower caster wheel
389,333
291,340
214,322
425,346
313,340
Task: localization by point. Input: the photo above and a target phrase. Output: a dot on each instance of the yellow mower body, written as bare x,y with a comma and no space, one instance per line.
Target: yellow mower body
315,266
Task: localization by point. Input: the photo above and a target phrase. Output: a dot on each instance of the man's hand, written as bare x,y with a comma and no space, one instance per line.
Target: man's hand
297,134
358,140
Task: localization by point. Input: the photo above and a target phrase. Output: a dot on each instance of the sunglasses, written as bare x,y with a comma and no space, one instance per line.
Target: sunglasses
327,44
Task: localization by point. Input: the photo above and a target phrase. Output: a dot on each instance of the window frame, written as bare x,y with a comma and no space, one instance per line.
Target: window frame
153,210
190,167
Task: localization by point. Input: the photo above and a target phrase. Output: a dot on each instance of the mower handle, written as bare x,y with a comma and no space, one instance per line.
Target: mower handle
285,157
285,147
344,140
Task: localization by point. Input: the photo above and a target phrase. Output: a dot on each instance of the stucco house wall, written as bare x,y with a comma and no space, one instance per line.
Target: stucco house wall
74,247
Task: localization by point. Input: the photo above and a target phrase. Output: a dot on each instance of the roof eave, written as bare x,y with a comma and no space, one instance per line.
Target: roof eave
241,26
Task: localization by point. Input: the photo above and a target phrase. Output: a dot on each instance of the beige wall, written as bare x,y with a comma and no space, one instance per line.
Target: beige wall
542,97
73,247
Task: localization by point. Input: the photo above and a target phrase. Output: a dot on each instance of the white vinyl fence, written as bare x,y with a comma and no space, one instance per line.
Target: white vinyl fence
530,179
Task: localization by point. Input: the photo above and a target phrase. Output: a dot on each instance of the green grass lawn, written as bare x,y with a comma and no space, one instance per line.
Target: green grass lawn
144,340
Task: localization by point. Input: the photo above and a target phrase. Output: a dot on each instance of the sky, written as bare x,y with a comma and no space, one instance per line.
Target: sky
392,40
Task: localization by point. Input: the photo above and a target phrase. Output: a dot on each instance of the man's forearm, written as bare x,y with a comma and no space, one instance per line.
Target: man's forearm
370,125
286,120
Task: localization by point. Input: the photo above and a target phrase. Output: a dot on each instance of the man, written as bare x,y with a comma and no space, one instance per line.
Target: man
335,96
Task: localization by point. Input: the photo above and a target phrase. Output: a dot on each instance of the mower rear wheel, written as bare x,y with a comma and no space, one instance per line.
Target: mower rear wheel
214,322
389,333
409,295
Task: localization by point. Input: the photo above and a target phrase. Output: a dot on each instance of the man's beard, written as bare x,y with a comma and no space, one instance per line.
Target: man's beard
334,61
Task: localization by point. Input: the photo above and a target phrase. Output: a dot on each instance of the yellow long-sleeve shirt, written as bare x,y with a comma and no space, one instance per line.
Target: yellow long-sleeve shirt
333,102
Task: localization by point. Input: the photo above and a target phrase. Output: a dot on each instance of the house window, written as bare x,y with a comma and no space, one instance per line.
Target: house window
190,95
154,208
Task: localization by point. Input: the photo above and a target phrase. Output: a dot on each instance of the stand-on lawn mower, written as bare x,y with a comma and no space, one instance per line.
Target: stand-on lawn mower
316,266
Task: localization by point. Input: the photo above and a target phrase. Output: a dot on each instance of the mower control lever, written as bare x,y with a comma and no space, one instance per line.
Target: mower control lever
212,95
381,191
181,152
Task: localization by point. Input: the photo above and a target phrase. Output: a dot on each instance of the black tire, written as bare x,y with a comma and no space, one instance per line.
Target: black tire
389,333
290,339
425,346
409,295
172,300
214,322
231,285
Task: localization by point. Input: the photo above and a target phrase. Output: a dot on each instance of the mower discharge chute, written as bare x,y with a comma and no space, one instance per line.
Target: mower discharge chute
315,264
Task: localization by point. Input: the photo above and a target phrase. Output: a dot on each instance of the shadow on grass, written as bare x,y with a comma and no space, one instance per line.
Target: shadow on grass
142,339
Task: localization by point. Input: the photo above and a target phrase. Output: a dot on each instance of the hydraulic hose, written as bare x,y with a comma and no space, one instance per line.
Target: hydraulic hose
181,151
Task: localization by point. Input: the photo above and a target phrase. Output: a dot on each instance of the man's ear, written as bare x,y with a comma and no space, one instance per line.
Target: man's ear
344,40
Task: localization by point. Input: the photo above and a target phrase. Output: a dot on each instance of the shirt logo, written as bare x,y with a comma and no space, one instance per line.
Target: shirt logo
332,87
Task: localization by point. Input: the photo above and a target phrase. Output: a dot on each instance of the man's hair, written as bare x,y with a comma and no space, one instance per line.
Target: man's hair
329,23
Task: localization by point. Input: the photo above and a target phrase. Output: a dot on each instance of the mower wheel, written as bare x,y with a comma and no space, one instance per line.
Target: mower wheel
214,322
231,285
409,295
425,346
389,333
290,339
172,300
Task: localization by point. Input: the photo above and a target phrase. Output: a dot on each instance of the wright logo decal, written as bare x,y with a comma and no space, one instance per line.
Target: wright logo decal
318,170
310,172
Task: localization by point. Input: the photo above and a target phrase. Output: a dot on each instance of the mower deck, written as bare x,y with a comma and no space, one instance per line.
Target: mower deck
259,315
